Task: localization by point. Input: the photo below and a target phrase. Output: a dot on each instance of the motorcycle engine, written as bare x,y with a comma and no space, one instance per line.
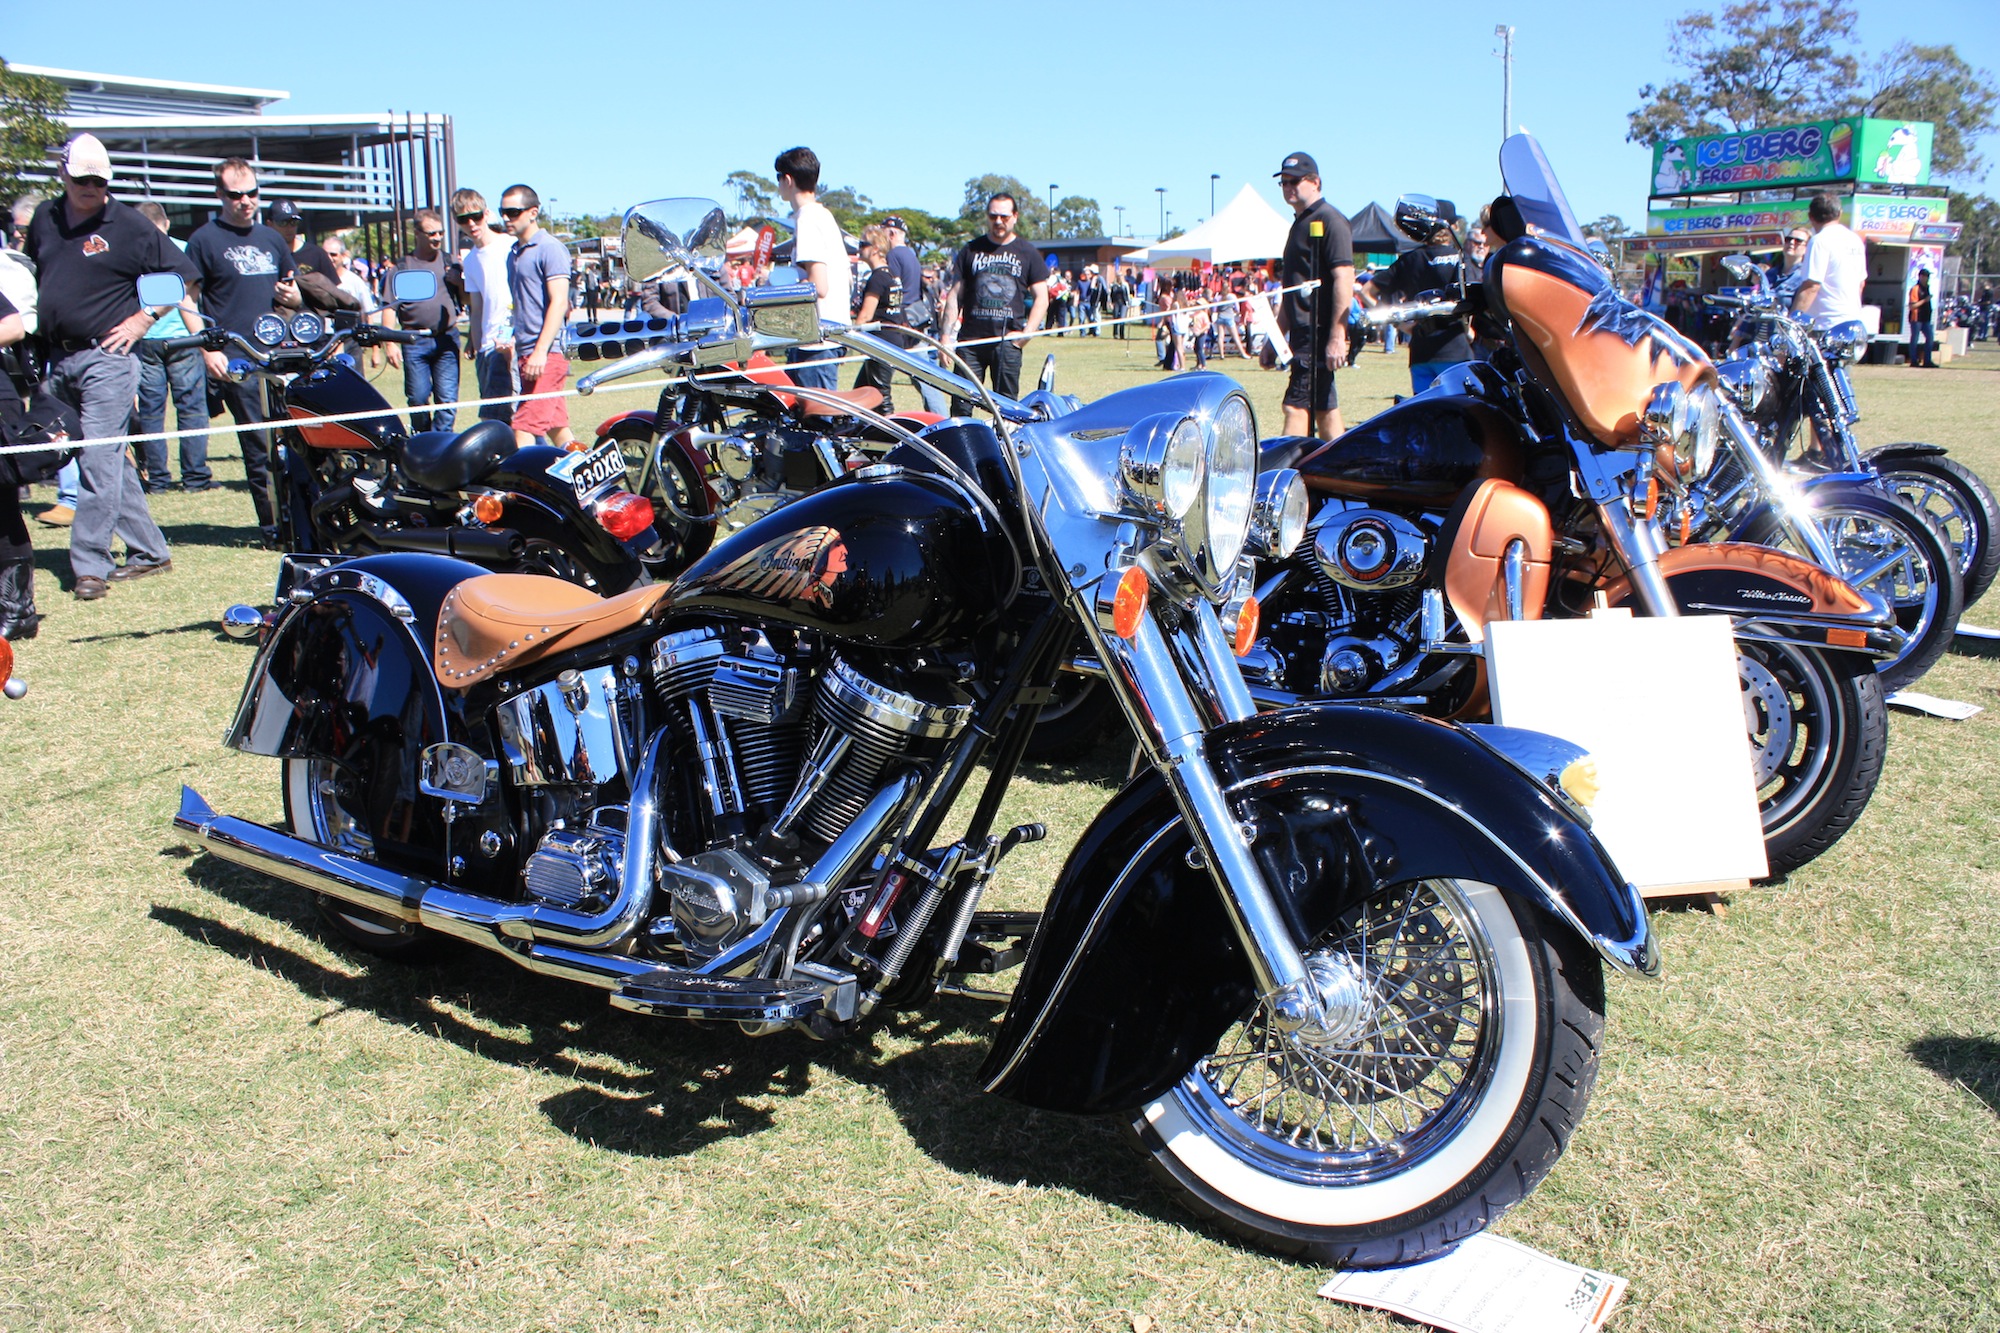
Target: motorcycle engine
781,750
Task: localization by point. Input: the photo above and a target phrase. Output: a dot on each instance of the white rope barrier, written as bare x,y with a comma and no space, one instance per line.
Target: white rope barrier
234,428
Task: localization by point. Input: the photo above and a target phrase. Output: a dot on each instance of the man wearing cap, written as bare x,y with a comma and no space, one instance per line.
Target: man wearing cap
1436,341
917,312
90,251
246,271
1319,248
312,267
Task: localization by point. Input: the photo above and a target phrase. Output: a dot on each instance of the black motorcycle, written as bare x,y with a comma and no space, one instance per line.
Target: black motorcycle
1338,971
363,485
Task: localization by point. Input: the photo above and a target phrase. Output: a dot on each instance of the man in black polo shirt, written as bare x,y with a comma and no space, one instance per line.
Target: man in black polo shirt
246,270
998,276
89,251
1436,341
1315,323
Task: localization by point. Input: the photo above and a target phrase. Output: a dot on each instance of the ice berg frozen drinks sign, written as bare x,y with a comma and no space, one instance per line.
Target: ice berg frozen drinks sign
1877,152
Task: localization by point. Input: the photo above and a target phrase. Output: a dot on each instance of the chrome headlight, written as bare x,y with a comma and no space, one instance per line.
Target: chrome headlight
1785,343
1747,379
1232,481
269,330
306,327
1161,465
1278,518
1845,341
1683,426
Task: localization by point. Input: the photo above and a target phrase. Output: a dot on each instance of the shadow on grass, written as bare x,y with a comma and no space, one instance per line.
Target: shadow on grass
1966,645
1971,1062
244,534
210,627
698,1084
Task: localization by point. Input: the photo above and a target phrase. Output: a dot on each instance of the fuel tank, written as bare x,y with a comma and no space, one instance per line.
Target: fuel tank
887,556
333,390
1424,451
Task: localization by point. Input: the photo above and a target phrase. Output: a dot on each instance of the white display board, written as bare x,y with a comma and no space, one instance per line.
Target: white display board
1659,705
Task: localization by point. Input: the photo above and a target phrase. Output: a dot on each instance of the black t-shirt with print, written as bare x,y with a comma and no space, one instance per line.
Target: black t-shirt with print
887,288
1308,257
239,266
1428,268
995,285
87,275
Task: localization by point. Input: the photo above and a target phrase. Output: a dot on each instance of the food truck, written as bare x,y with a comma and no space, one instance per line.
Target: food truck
1722,194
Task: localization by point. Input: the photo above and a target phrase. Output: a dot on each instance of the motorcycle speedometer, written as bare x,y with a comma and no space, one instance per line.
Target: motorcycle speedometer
1232,481
306,327
269,330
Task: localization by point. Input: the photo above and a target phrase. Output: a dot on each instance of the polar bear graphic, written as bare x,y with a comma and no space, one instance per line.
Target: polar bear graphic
1673,172
1900,163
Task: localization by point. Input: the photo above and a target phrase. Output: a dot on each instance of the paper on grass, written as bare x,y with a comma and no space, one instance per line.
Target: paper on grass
1489,1284
1949,709
1659,704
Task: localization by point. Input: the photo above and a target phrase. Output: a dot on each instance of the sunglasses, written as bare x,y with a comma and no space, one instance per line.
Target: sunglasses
511,213
433,235
250,193
998,217
468,219
1795,240
90,182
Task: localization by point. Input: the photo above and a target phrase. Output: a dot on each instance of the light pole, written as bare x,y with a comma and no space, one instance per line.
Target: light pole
1161,190
1213,177
1052,212
1120,210
1506,53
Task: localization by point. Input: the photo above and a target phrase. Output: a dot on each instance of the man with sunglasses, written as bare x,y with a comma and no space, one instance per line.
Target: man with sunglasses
489,306
246,270
538,280
90,251
430,364
1001,283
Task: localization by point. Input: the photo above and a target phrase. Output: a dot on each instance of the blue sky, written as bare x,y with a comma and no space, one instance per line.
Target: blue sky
601,105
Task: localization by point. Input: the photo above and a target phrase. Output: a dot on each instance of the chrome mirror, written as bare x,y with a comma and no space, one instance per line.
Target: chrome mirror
666,234
158,289
1739,265
413,284
1418,216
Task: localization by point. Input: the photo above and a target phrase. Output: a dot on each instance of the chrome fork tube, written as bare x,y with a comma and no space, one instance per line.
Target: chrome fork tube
1638,545
1173,733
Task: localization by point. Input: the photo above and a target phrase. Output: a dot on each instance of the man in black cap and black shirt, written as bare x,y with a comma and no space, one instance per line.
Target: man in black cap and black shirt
1320,247
313,267
246,271
90,251
1436,341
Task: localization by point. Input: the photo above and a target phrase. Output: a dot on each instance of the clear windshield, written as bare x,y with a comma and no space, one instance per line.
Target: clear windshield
1532,182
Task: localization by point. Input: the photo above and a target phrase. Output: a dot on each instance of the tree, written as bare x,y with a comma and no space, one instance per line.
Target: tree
848,205
756,196
1757,65
30,107
1610,227
1077,216
1978,245
1931,83
931,236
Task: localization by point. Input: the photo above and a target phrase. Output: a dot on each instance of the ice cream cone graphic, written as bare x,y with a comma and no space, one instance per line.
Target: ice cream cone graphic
1841,141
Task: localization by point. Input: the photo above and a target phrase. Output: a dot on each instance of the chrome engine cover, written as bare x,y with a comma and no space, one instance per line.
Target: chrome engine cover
575,868
717,896
577,730
1369,549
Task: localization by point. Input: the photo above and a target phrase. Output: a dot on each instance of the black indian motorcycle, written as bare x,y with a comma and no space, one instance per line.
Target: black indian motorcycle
1337,970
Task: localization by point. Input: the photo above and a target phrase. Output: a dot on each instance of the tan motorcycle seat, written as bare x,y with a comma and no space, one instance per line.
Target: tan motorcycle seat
868,398
507,621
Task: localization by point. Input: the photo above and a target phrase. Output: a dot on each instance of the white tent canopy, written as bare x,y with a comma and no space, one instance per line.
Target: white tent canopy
1244,228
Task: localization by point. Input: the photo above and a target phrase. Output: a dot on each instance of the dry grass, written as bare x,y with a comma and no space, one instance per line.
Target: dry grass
212,1117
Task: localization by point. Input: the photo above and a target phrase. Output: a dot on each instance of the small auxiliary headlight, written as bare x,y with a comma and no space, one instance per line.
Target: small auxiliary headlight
1161,466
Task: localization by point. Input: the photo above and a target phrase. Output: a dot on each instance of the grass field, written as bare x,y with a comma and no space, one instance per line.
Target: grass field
213,1117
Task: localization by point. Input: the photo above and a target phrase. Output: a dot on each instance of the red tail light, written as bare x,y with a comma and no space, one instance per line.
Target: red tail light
6,661
624,515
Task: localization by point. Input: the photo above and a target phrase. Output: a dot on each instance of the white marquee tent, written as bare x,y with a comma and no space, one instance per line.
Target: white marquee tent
1245,228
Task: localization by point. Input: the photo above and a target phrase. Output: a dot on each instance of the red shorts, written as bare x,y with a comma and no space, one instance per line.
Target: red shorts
544,414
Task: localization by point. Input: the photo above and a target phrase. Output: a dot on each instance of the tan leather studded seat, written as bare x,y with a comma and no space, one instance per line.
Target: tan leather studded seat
864,397
505,621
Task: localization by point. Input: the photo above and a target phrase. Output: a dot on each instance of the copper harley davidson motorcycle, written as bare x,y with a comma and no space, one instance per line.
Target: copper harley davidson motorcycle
1337,970
1541,484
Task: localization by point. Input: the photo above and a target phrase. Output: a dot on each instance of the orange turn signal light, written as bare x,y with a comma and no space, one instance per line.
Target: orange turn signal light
1246,627
1128,606
488,508
6,661
575,446
1646,499
1847,638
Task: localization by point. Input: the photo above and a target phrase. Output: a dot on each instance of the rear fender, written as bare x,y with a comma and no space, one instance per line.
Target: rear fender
678,438
526,472
1135,970
346,676
1774,594
1889,453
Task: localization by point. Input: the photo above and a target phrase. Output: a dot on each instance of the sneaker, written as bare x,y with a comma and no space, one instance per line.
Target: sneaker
130,570
57,516
89,588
